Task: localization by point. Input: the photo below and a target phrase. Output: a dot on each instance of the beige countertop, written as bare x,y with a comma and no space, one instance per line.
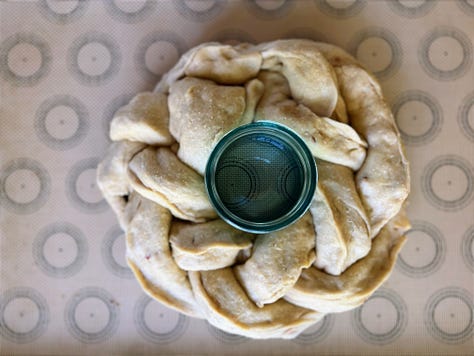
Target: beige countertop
66,66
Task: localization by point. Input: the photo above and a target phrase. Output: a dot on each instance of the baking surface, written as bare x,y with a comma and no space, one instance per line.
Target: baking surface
66,66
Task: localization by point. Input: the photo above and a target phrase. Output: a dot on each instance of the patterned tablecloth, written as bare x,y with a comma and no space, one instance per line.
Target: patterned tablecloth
66,66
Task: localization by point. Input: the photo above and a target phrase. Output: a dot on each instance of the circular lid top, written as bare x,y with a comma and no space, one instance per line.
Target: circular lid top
261,177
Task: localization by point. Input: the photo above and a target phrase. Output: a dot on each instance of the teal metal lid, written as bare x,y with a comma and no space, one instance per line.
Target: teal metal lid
261,177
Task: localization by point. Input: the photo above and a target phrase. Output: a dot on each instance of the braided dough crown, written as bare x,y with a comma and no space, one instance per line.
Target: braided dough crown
276,284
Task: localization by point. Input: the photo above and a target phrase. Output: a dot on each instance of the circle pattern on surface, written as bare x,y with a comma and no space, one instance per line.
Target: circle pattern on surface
94,58
60,249
24,315
318,332
448,315
412,9
269,10
25,186
113,253
25,59
130,12
57,13
424,252
199,11
341,9
445,53
379,50
241,178
92,315
448,182
467,248
382,319
82,189
62,12
419,117
466,116
157,52
62,122
149,316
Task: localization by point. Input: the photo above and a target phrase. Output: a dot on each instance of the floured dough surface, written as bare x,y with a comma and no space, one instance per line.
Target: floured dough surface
148,252
145,119
277,261
310,76
273,285
328,294
112,177
326,138
207,246
339,218
201,113
157,174
226,305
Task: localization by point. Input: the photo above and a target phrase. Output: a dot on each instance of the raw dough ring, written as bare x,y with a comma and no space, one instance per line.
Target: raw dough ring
273,285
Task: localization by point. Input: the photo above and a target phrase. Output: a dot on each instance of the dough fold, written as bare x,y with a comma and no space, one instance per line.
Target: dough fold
149,257
207,246
157,174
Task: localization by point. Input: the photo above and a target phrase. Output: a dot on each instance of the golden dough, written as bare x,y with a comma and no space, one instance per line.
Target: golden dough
224,64
177,72
201,112
383,180
311,78
144,119
112,176
342,227
330,294
149,256
207,246
157,174
276,261
327,139
278,284
226,305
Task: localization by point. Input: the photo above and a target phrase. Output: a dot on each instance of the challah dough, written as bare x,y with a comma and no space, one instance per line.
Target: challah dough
340,221
112,177
144,119
149,256
207,246
157,174
273,285
277,260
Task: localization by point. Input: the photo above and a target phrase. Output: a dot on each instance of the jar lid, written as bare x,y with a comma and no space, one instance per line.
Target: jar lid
261,177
